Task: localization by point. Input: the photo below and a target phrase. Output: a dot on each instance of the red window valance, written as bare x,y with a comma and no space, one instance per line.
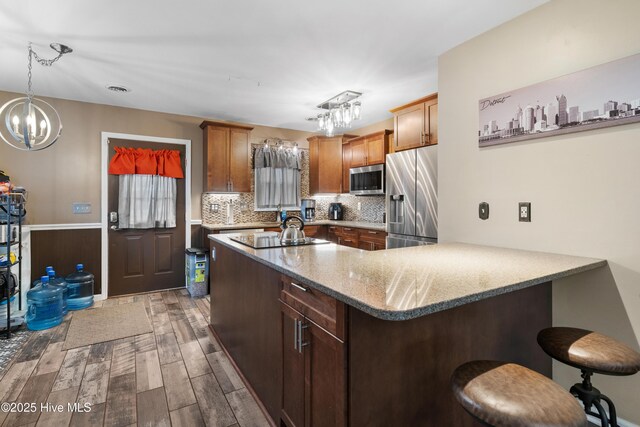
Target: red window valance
145,161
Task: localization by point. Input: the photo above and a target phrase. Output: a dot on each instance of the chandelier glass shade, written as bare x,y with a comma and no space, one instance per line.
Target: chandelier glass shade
340,112
29,123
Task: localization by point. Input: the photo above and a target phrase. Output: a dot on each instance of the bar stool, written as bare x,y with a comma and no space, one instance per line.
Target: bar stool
505,394
590,352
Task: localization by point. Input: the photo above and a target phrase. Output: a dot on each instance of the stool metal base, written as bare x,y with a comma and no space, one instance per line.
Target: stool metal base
591,396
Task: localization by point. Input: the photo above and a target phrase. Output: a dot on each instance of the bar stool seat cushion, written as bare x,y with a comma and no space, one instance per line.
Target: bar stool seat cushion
589,350
506,394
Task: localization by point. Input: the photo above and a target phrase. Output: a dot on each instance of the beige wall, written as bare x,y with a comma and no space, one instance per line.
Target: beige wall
69,171
583,187
376,127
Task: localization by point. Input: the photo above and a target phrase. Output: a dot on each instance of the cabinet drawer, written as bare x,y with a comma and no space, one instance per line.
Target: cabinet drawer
372,236
348,232
320,308
312,230
348,241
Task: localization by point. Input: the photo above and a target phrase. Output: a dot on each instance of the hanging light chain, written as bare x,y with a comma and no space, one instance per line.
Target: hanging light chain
45,62
29,90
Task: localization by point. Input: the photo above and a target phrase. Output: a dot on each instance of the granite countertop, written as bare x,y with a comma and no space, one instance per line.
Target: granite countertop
405,283
355,224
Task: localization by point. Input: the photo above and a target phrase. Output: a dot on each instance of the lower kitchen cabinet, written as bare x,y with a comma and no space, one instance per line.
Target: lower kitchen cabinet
313,361
314,373
371,240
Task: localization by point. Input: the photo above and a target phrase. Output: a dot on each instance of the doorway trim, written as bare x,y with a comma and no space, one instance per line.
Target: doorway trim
104,158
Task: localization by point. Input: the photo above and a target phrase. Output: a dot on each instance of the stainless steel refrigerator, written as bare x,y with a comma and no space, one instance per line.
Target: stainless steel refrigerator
412,197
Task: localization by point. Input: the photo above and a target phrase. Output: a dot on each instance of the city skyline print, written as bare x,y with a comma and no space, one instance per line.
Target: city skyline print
597,97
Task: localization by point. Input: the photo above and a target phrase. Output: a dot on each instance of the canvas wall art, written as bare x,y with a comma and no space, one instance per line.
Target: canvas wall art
601,96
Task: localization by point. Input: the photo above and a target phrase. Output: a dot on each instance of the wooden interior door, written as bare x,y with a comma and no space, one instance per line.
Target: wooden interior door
146,260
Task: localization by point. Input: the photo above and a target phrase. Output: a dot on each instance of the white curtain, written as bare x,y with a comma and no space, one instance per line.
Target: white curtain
277,178
147,201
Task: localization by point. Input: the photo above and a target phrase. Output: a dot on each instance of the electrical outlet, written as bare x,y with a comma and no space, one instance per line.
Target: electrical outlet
214,207
483,210
81,208
524,211
359,206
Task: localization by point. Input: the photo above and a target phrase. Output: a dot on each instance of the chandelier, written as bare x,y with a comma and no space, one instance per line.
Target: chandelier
29,123
341,111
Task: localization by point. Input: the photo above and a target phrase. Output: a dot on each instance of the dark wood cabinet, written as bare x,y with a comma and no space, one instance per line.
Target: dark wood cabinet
311,360
226,157
332,234
314,358
293,371
325,163
317,231
245,317
347,236
371,240
361,238
416,124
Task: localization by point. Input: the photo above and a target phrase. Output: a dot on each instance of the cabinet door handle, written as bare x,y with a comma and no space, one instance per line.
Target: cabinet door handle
300,343
427,137
347,229
373,232
295,334
302,288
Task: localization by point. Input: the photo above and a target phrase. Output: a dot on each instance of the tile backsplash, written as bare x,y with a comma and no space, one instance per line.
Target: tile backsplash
371,207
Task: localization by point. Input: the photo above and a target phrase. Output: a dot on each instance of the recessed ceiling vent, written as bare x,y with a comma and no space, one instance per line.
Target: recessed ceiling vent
118,89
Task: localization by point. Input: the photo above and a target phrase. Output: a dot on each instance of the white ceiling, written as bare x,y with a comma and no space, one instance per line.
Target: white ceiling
254,61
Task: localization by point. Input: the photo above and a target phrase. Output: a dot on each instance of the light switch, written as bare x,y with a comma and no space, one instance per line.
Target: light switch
524,211
81,208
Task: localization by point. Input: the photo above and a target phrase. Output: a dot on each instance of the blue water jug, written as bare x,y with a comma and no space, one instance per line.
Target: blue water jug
44,305
80,289
59,281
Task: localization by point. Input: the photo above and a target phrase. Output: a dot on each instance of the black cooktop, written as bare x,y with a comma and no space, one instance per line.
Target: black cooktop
258,241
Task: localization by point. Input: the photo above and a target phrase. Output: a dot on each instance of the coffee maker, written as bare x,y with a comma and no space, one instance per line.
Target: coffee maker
335,211
308,210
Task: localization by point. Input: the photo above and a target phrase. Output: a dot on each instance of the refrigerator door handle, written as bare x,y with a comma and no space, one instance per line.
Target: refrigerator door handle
396,214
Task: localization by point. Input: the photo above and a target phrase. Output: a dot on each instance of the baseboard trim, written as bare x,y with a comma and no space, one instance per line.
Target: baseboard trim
621,422
75,226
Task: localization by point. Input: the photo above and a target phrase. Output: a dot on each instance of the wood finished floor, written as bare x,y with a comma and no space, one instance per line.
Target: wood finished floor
175,376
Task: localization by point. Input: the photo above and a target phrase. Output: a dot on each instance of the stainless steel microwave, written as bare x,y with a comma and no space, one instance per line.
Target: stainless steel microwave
367,180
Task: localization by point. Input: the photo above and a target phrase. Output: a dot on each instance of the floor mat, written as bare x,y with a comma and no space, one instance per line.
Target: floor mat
107,324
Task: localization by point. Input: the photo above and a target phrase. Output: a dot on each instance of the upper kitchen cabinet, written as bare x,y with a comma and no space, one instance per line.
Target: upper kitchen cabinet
226,153
369,149
325,163
416,124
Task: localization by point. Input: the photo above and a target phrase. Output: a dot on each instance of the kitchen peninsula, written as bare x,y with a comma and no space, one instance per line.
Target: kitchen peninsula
330,335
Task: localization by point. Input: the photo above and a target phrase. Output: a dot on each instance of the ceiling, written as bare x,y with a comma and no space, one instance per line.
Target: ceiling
252,61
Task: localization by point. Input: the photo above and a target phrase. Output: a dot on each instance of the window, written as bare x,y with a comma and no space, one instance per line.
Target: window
277,178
